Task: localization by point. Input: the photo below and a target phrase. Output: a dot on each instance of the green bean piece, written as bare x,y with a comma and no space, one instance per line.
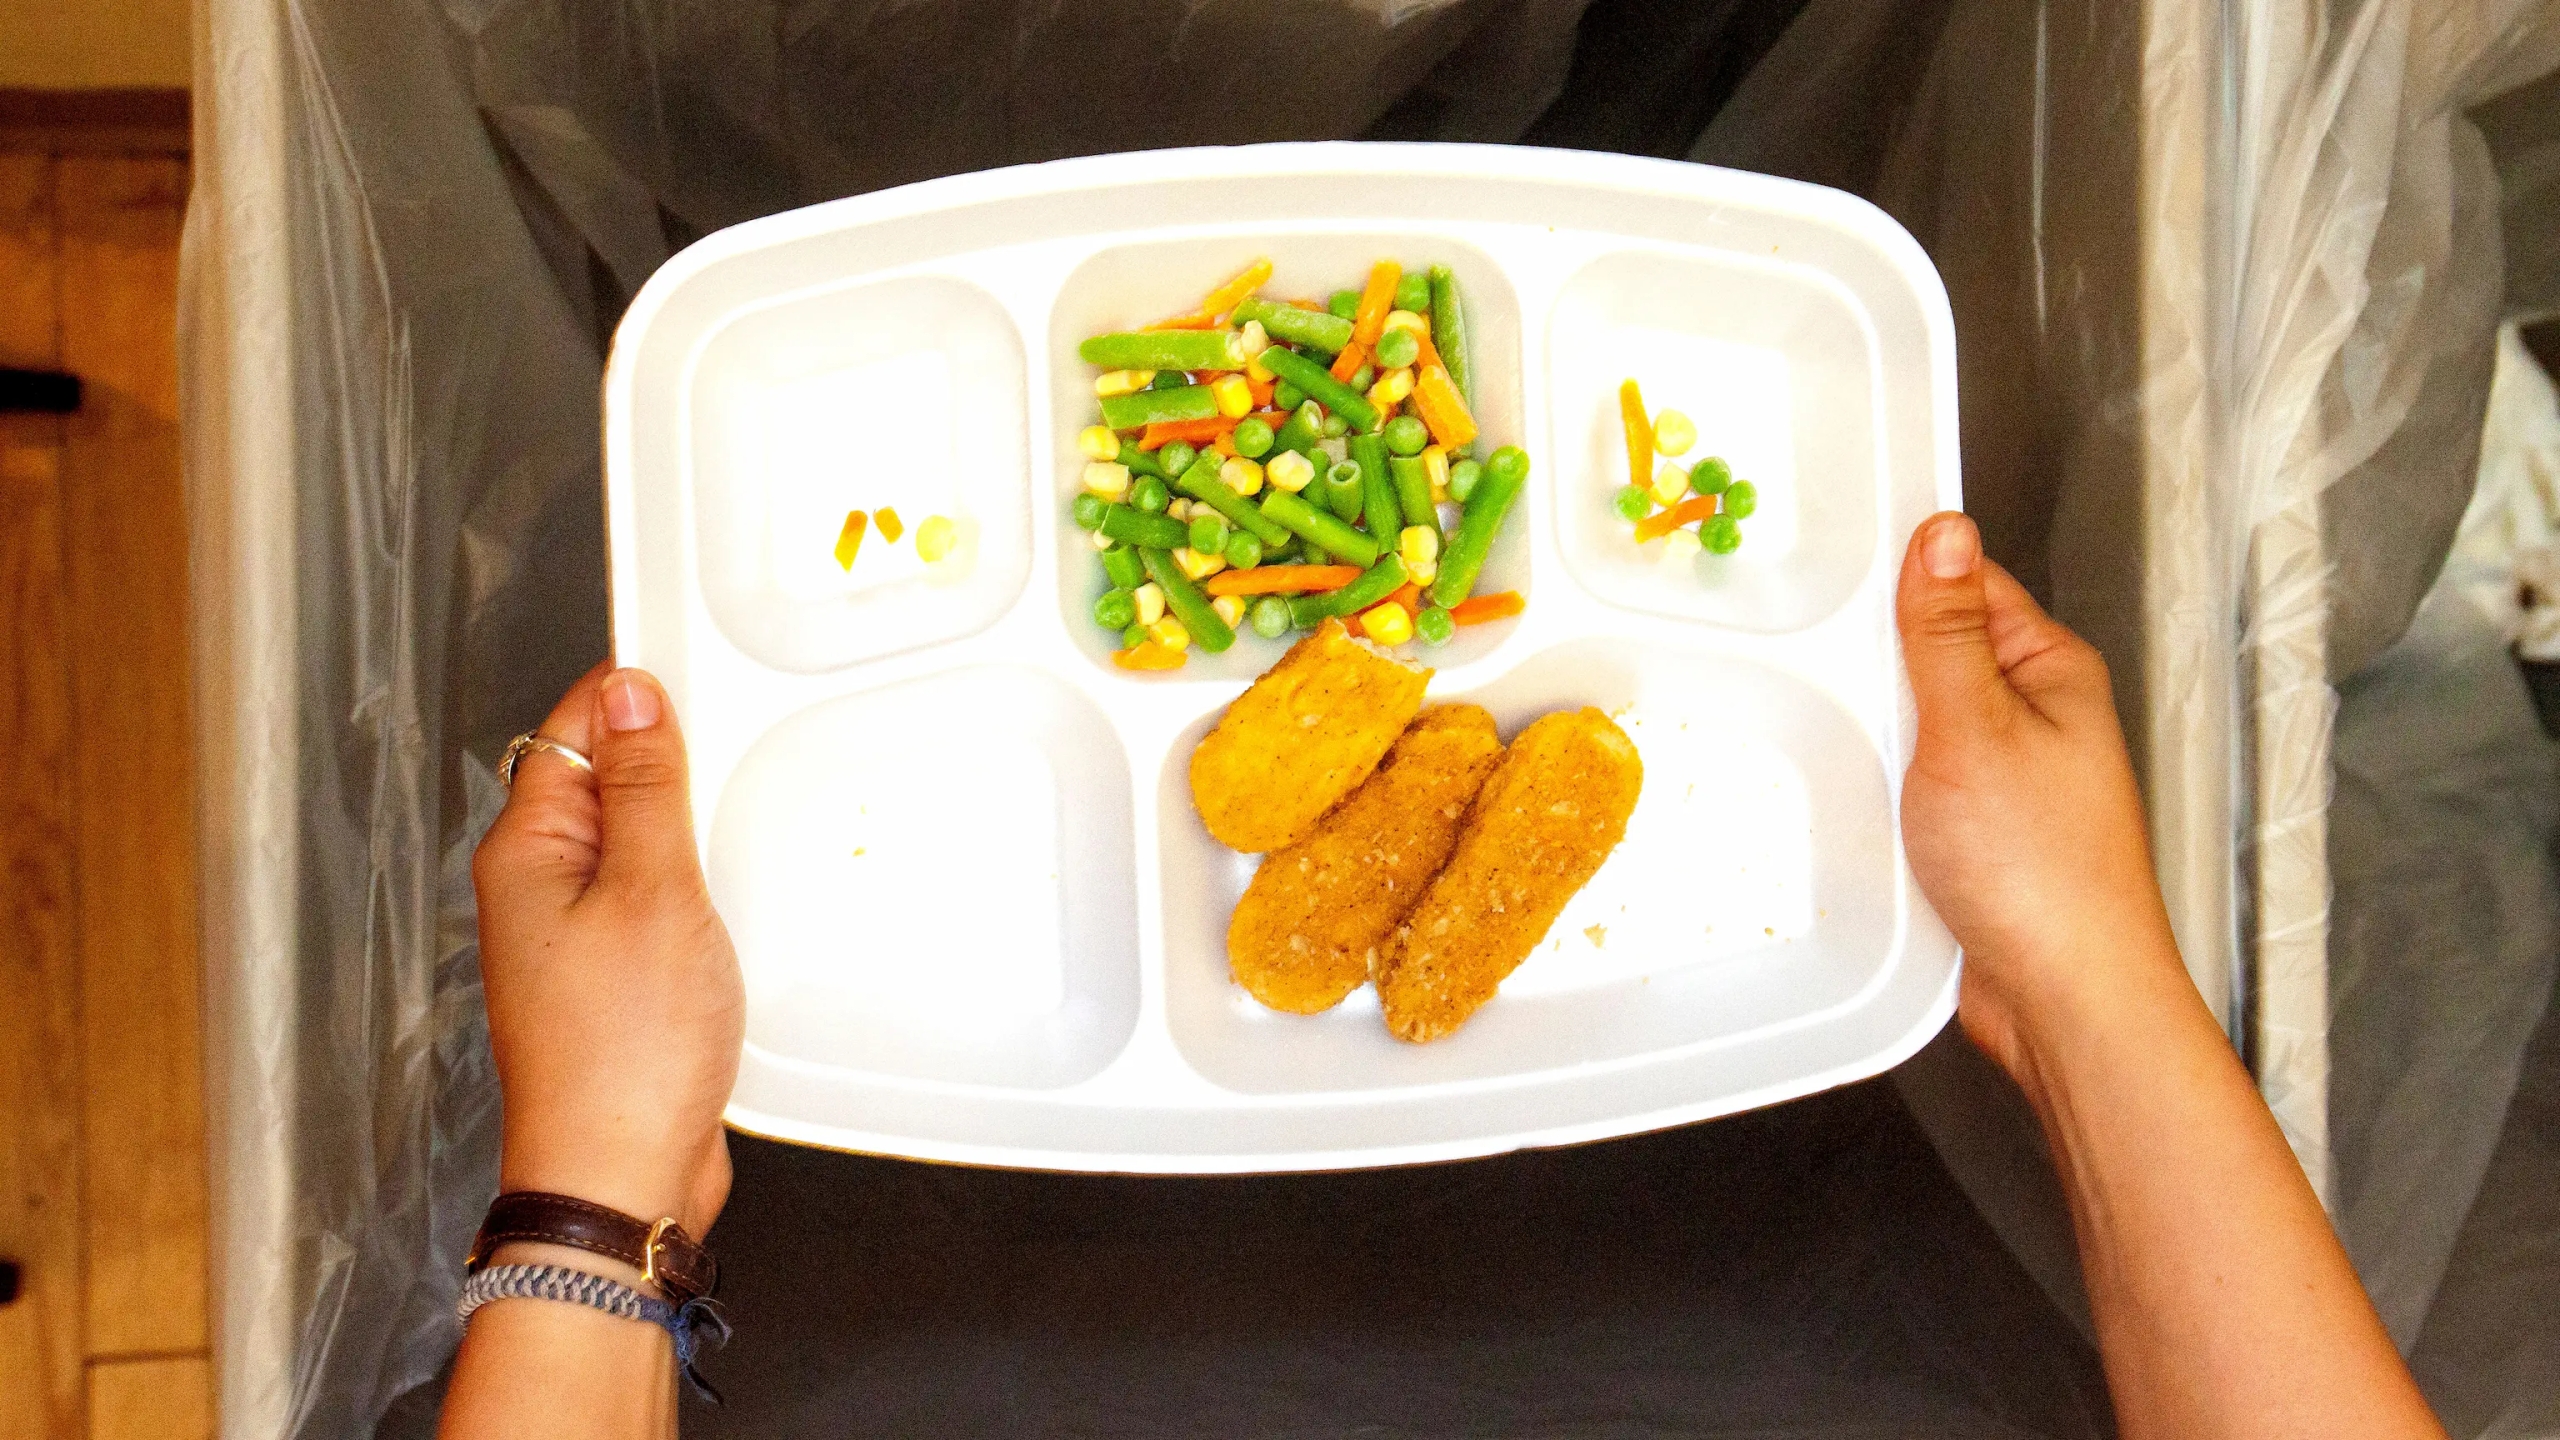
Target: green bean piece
1150,495
1149,407
1335,427
1740,499
1165,350
1711,476
1310,553
1243,551
1306,612
1121,564
1344,303
1252,437
1722,534
1632,502
1413,492
1462,559
1168,380
1269,617
1434,626
1176,457
1378,508
1363,378
1088,510
1313,329
1407,435
1142,463
1285,396
1301,431
1319,384
1134,636
1208,535
1344,492
1319,528
1462,479
1449,332
1135,527
1398,348
1115,609
1375,584
1187,603
1413,291
1201,483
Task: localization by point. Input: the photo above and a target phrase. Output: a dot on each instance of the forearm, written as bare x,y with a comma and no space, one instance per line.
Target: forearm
542,1368
2223,1302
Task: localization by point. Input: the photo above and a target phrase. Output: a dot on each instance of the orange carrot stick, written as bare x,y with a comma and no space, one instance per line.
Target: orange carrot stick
1261,391
1375,302
1408,595
1639,428
1443,408
1348,363
1184,322
1148,655
1226,297
1280,579
1481,609
849,539
1190,432
1663,522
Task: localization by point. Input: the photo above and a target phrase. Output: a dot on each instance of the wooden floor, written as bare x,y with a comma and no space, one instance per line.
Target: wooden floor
102,1140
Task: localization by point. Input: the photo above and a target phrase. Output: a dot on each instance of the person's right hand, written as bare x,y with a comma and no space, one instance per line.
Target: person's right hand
2019,811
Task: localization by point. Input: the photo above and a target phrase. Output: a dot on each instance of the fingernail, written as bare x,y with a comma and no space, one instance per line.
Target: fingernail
1952,549
630,700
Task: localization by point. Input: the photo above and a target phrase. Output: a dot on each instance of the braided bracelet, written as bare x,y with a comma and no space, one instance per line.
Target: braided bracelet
688,1323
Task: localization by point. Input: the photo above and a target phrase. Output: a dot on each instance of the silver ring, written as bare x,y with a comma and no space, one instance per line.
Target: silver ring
526,744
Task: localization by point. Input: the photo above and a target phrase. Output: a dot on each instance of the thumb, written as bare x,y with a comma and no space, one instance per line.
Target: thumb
1945,616
647,818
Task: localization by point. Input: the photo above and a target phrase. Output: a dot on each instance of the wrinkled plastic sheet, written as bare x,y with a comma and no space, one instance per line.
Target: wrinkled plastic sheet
2184,325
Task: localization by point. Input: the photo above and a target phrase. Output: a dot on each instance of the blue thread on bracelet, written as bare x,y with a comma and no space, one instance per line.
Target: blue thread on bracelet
688,1324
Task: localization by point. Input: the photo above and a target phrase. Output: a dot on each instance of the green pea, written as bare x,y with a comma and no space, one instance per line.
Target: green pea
1710,476
1343,304
1169,380
1721,534
1176,457
1462,479
1336,427
1115,610
1413,291
1398,348
1252,437
1286,397
1434,626
1741,499
1209,534
1363,378
1089,509
1244,551
1632,503
1269,617
1150,496
1135,635
1408,436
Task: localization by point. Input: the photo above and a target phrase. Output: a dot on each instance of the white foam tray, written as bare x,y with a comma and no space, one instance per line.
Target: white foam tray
978,917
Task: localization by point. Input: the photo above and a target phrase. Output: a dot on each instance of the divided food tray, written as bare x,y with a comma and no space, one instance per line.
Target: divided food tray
979,919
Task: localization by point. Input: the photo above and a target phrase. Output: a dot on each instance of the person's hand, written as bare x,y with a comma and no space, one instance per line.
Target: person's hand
615,1007
2020,812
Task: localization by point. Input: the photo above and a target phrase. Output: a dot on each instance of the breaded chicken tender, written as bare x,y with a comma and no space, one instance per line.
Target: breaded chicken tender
1312,922
1305,735
1552,811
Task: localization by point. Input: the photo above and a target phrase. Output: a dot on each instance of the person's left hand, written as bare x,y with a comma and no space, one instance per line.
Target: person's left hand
616,1011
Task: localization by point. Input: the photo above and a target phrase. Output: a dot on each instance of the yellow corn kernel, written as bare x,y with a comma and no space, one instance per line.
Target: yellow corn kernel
1234,396
1386,623
1680,547
1673,433
1197,565
1391,388
1098,442
1422,572
1122,382
935,537
1258,372
1168,632
1230,608
1242,476
1290,471
1669,484
1106,478
1180,507
1435,467
1150,598
1408,320
1098,540
890,526
1252,340
1418,543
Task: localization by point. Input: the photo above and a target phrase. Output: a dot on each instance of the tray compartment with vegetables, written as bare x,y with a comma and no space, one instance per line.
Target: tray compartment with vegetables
951,826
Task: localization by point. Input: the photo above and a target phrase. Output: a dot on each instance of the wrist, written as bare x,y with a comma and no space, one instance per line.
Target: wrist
690,1188
2101,1014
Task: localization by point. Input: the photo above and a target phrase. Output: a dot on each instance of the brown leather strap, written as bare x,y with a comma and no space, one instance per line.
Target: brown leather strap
661,1251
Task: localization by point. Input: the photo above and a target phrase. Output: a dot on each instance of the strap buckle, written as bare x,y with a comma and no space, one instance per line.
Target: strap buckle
656,1242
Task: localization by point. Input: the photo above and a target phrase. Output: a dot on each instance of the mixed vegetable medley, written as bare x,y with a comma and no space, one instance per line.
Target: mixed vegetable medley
1272,464
1665,502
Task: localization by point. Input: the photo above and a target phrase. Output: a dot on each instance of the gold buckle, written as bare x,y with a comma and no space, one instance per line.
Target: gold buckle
649,1251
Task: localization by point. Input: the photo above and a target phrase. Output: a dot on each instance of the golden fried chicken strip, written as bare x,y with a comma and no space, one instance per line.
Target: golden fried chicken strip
1552,811
1309,926
1301,738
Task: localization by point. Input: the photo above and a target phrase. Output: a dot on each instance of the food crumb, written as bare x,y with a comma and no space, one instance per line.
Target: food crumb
1598,935
860,851
1768,930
